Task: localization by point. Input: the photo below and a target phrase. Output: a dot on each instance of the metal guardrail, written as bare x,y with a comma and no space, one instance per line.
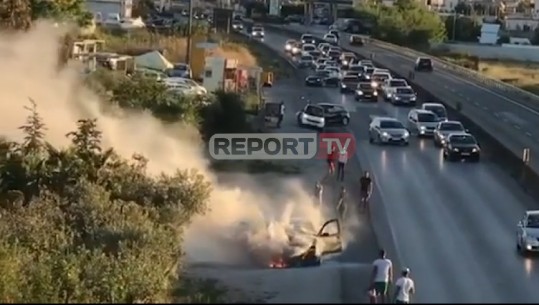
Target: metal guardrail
515,93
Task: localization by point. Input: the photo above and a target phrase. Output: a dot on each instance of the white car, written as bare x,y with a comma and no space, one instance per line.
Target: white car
389,86
258,32
379,77
366,63
305,61
330,38
423,122
290,43
528,232
387,130
437,108
311,115
183,84
308,48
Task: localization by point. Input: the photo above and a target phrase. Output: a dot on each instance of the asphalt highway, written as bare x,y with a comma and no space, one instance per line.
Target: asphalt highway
511,120
454,223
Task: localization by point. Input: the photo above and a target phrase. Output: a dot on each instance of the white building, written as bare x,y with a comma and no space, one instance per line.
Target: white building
103,9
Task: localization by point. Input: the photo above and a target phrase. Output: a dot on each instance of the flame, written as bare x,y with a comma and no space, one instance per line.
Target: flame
278,263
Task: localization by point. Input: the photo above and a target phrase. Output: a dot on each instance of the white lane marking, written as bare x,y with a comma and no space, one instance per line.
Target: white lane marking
496,115
476,104
505,120
529,134
485,108
516,127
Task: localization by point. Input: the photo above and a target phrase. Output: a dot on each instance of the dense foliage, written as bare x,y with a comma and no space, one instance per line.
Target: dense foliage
407,23
82,224
19,14
222,112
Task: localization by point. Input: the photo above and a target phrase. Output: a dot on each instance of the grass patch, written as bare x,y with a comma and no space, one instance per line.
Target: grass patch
524,75
265,56
199,291
256,167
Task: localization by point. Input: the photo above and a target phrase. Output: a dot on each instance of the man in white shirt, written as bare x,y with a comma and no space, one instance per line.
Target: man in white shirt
382,274
405,287
343,158
281,113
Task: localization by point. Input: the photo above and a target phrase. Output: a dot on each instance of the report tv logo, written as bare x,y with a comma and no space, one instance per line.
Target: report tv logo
280,146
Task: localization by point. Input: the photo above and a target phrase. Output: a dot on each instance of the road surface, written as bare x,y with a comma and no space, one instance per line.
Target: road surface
512,119
454,224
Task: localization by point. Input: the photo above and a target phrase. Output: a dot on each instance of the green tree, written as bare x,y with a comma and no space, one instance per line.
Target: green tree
109,234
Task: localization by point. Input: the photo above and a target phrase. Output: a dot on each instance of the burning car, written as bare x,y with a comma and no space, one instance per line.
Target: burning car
293,246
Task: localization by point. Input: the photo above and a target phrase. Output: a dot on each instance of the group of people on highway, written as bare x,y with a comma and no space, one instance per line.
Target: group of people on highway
381,279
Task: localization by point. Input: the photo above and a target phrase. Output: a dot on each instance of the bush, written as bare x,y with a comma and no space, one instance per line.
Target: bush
406,23
83,225
227,114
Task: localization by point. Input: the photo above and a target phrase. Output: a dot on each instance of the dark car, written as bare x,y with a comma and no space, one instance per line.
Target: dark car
349,83
335,115
307,39
461,146
423,64
366,92
328,79
314,81
356,40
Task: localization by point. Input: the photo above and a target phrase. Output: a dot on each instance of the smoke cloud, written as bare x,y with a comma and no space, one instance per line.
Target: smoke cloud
244,209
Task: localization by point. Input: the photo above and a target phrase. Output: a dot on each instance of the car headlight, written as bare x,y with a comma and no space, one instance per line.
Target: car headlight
359,92
398,98
345,63
295,50
475,150
389,95
422,127
374,84
343,85
287,47
412,98
367,76
385,134
455,149
406,134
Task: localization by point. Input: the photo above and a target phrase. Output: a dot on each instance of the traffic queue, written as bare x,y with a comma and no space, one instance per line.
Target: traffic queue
330,66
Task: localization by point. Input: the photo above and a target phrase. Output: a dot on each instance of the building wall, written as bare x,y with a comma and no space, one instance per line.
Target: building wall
105,7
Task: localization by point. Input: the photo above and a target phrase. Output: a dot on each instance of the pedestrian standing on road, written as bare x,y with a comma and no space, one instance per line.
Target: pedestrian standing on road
318,192
331,160
382,274
341,204
281,114
343,158
404,287
365,185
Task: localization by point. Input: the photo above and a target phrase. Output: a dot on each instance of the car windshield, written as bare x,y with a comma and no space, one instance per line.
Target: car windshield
306,58
369,70
451,127
405,91
380,77
256,29
365,86
462,139
314,111
349,78
425,62
427,117
397,83
533,222
309,48
181,67
236,22
322,73
356,68
334,53
391,125
440,111
306,37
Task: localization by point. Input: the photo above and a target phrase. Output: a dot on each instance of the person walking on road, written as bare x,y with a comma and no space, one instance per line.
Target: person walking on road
343,158
365,183
281,114
382,274
319,192
404,287
331,161
341,205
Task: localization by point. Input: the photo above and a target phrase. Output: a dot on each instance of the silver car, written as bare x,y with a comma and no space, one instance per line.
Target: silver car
444,129
403,96
387,130
528,232
422,122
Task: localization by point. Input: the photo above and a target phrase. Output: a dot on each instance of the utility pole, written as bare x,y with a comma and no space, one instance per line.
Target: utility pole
189,33
455,16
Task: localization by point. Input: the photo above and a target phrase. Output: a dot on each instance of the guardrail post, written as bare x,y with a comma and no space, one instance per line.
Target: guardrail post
524,165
